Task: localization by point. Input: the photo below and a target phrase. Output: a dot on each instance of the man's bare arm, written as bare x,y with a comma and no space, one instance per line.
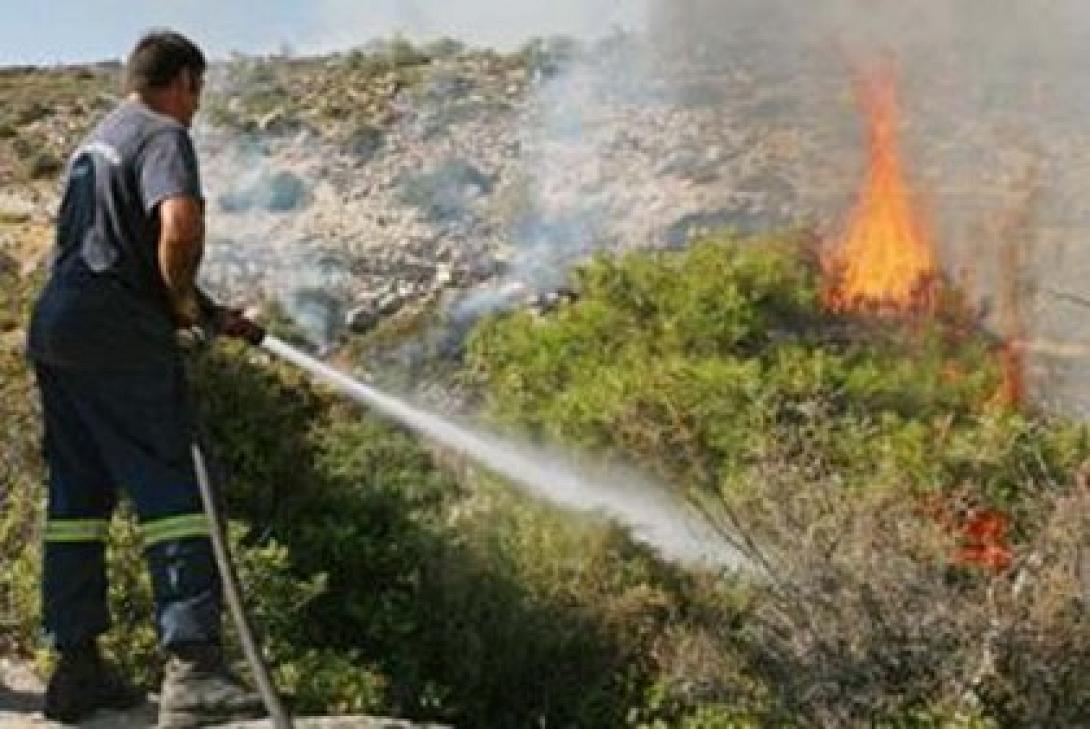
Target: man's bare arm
181,246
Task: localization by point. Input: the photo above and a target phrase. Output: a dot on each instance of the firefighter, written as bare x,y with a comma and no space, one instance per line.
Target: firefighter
103,343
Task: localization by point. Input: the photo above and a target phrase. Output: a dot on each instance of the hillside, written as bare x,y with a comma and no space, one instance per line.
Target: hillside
586,251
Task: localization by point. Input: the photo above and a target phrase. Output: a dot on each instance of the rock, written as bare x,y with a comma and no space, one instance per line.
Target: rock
361,318
743,221
278,121
550,300
44,164
283,191
390,302
368,310
773,186
690,165
13,341
448,85
15,209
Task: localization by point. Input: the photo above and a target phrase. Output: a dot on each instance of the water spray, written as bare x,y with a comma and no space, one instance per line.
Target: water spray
649,512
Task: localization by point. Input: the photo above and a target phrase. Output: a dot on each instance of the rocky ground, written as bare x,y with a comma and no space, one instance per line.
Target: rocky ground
488,174
21,694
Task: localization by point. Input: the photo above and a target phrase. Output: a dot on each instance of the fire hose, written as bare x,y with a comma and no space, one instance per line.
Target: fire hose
229,579
278,715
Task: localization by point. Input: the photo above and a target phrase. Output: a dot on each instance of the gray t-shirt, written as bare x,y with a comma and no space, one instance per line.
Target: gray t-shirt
105,305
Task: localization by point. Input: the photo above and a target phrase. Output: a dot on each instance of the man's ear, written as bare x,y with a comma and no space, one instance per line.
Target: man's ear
185,80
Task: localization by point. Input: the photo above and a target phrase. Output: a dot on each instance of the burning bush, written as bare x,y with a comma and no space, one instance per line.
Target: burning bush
700,364
821,445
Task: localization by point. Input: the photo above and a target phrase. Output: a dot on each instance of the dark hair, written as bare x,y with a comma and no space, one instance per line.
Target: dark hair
159,57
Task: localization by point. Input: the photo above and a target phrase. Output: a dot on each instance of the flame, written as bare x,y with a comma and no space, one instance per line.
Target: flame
982,534
884,261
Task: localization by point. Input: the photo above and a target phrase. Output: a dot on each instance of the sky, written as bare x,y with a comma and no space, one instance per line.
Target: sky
72,31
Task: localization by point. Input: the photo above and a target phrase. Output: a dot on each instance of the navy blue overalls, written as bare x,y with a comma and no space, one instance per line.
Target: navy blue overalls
113,390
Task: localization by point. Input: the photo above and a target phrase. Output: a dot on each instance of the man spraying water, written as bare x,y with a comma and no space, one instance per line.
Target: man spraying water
130,235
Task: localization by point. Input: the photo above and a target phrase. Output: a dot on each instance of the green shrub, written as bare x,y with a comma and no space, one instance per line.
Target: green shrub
389,55
31,112
703,363
20,472
548,56
444,48
402,52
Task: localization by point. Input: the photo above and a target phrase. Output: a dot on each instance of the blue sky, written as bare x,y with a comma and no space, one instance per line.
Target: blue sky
61,31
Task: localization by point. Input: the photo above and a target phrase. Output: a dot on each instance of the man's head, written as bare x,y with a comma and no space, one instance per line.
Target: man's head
166,71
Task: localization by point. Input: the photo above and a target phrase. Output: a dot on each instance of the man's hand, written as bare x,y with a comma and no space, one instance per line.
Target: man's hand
186,309
233,323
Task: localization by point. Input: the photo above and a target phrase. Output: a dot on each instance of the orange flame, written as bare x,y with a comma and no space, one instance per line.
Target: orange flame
982,534
884,261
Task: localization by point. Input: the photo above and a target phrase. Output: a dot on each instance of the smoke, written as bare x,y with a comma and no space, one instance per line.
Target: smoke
979,78
672,117
743,113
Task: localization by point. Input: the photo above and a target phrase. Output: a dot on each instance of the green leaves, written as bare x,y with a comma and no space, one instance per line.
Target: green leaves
697,363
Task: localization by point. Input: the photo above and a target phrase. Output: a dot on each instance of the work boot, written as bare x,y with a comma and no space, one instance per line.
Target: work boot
83,682
199,689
